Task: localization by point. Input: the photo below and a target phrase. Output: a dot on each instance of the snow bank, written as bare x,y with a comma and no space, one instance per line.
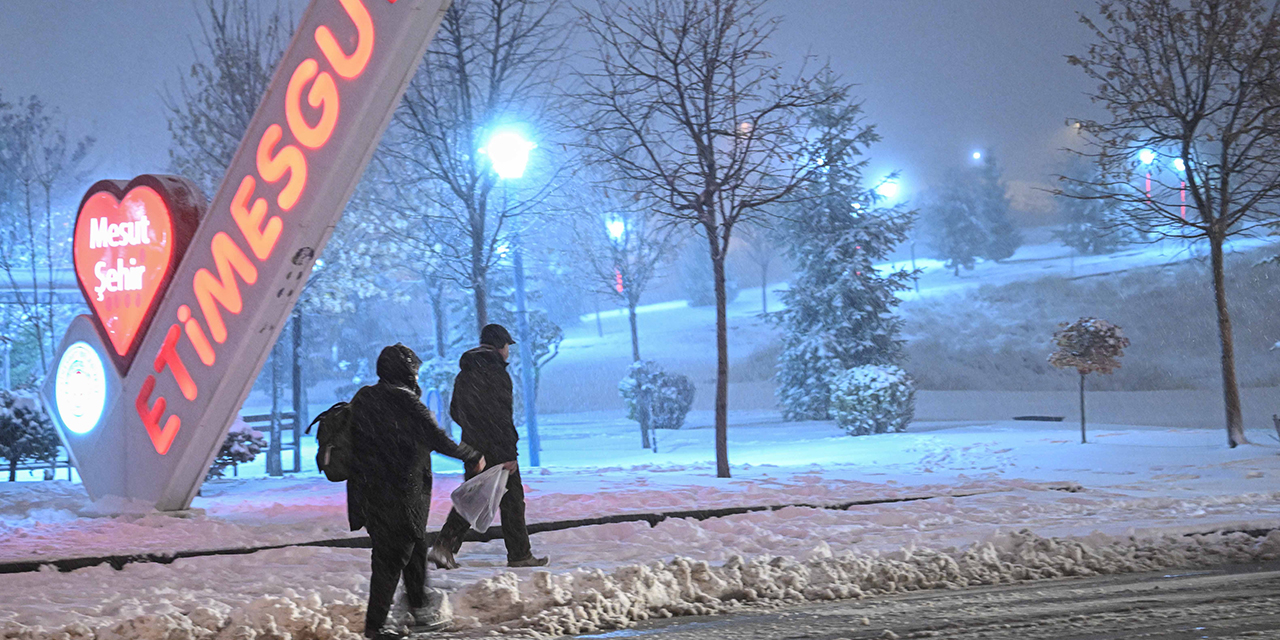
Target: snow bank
587,601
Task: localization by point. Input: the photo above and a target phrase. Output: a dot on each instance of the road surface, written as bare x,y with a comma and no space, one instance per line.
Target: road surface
1233,602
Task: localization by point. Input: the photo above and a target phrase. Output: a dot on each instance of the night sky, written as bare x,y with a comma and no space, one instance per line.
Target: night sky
941,78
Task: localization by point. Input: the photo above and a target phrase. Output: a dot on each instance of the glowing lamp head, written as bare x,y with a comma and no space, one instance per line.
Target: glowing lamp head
1179,165
81,388
1146,156
616,228
888,189
508,152
977,155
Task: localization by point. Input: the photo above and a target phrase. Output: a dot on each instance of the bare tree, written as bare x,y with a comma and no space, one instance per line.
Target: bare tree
238,50
1191,147
38,160
686,104
621,245
762,249
488,66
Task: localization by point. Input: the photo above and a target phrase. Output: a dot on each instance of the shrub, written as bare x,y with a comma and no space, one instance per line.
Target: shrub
669,395
26,432
242,445
873,399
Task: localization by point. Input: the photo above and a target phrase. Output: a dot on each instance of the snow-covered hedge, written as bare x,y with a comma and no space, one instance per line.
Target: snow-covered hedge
669,395
873,399
242,445
26,432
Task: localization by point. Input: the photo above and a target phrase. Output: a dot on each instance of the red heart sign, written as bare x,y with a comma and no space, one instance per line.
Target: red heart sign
127,240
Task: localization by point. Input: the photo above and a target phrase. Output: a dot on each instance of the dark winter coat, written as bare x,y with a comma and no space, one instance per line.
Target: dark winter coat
394,435
481,405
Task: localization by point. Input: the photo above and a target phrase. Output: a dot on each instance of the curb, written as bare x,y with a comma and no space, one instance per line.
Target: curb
492,533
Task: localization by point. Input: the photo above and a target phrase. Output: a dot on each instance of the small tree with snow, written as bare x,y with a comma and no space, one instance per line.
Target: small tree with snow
873,399
654,398
26,433
1088,345
242,445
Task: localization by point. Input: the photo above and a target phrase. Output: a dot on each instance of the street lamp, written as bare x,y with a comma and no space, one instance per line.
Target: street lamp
617,228
888,189
977,155
508,152
1146,157
1181,167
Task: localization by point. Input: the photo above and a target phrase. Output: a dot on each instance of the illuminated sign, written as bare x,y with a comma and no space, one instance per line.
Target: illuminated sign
80,387
230,294
127,239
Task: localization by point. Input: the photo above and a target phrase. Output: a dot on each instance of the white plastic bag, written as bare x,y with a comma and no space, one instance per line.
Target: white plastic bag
477,499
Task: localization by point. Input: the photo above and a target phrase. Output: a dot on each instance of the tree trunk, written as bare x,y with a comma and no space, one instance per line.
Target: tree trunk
635,333
441,319
1083,440
274,467
479,285
299,391
642,412
599,327
48,254
13,469
722,361
764,288
1230,388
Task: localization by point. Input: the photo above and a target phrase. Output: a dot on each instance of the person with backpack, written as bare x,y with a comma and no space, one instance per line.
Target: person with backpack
482,405
391,437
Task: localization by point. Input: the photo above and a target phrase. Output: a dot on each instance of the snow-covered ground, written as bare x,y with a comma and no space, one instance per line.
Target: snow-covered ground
1003,501
1136,485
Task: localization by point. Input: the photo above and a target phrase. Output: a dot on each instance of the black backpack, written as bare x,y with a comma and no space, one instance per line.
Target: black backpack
334,438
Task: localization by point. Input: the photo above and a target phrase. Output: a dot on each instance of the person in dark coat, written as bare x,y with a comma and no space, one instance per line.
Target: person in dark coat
389,492
482,406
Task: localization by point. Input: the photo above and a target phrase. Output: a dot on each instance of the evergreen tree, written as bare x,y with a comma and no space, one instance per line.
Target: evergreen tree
26,433
992,207
1088,226
839,309
968,217
954,228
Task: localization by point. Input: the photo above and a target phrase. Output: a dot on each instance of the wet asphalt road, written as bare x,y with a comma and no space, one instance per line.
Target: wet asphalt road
1231,602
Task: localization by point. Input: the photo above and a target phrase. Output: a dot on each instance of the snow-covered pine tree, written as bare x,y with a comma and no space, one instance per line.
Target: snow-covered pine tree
26,433
1088,227
955,231
968,217
839,309
992,206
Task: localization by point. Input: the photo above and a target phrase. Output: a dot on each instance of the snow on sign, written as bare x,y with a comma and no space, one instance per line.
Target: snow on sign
201,336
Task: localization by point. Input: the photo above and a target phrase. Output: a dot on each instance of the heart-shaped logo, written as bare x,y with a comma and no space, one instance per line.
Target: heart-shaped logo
128,239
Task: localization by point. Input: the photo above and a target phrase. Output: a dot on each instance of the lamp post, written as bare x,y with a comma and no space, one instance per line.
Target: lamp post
508,153
1146,157
1181,167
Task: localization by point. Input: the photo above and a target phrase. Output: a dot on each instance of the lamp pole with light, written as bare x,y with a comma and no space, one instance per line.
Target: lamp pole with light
508,153
1146,157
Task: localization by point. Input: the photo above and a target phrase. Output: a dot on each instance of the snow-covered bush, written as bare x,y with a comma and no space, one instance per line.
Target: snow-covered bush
26,432
242,445
668,395
873,399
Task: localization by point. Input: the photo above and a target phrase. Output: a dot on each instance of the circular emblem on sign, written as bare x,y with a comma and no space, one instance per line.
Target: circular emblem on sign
80,388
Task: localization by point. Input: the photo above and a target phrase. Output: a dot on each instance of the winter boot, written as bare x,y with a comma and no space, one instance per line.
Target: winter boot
441,557
437,614
387,632
530,561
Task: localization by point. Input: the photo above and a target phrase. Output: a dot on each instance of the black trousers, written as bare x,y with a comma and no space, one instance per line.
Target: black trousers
395,554
514,532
